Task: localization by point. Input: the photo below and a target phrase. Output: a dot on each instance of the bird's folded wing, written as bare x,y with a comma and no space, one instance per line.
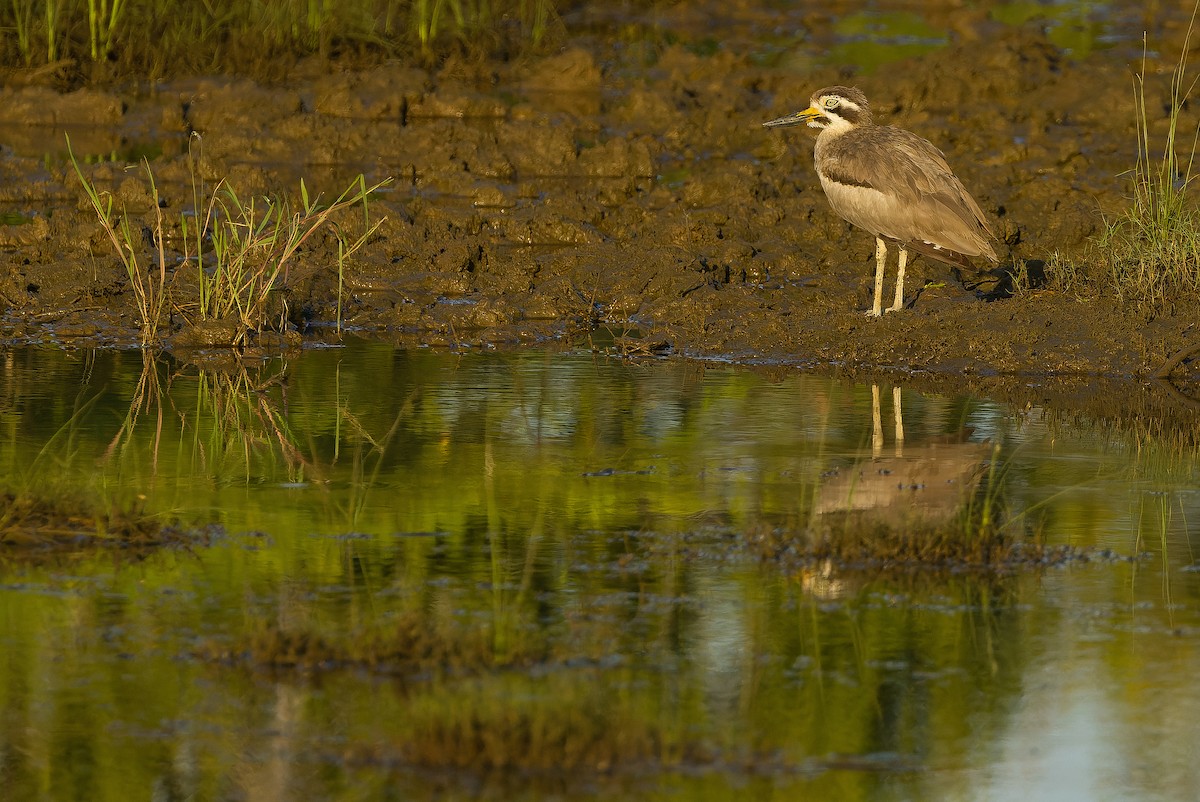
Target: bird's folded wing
904,166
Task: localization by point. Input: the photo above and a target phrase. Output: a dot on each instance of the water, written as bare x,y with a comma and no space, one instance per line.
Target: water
565,545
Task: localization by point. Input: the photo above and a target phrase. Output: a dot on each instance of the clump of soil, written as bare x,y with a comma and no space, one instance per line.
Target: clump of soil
34,525
858,543
409,645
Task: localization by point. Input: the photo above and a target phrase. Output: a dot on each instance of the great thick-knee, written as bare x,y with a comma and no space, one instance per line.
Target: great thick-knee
893,184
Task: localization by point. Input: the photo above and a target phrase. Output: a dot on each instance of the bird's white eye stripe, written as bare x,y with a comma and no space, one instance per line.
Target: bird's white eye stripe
832,103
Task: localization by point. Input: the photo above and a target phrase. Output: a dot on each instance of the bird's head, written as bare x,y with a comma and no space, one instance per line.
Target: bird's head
837,108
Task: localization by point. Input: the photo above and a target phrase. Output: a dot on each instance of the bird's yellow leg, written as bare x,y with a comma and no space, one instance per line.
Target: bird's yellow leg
898,304
880,262
898,417
876,424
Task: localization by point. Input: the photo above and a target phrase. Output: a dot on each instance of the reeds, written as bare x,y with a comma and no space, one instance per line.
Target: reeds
242,250
161,36
477,18
254,242
103,18
1151,250
126,238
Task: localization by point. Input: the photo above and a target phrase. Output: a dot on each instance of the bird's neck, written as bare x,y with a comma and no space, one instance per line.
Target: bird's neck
833,132
838,126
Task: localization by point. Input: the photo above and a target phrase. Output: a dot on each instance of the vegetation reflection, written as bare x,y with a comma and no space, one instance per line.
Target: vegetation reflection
546,564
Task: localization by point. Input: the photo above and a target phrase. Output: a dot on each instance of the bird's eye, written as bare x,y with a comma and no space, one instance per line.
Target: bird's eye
830,103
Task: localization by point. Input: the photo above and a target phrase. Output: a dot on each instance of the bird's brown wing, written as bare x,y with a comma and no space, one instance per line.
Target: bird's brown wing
952,258
902,165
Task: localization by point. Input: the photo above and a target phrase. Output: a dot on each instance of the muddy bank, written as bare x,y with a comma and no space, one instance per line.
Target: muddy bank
625,187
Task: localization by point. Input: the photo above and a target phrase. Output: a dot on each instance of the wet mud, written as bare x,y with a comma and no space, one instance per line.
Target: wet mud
624,193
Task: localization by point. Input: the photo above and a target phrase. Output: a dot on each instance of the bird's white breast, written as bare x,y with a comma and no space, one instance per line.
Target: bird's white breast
867,208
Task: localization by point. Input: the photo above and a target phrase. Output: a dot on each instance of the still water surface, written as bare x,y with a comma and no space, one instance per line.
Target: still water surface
590,522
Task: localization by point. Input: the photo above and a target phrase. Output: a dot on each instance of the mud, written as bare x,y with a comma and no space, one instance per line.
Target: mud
626,189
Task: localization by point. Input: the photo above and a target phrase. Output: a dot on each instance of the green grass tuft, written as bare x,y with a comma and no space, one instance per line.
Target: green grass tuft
242,249
126,238
157,38
1149,254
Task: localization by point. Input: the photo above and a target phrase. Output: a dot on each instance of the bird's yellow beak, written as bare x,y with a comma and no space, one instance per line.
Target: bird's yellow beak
809,114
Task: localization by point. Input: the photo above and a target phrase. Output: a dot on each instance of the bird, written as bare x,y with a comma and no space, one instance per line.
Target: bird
892,183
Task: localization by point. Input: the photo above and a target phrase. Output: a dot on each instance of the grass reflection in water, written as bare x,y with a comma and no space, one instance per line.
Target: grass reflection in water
555,565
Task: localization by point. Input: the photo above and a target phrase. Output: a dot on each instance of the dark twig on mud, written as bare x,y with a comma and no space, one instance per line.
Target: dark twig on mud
1163,375
1175,361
